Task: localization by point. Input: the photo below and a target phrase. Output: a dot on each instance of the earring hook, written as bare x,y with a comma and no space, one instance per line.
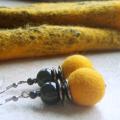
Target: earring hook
24,94
13,85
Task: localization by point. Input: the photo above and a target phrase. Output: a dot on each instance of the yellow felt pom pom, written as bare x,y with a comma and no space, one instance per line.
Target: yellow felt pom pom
74,62
87,86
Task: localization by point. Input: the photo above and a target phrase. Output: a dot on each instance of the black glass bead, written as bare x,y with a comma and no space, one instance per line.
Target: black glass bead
33,94
44,76
50,93
30,81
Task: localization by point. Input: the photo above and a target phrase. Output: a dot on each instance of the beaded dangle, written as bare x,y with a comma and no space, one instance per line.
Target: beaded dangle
53,87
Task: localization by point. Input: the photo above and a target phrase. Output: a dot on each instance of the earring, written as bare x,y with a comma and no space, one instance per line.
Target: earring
75,80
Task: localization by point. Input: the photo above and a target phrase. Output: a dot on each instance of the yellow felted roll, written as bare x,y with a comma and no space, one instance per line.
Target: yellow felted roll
74,62
87,86
49,40
93,14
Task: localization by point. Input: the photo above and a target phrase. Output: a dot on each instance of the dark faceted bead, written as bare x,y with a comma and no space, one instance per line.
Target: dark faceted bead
44,76
50,93
33,94
30,81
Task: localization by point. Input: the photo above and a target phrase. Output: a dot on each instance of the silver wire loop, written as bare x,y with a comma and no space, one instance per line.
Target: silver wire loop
24,94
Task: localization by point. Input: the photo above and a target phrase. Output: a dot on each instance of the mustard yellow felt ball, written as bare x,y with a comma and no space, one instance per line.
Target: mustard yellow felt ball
74,62
87,86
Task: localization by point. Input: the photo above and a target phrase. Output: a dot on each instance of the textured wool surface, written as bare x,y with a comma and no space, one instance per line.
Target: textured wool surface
87,86
74,62
49,40
97,14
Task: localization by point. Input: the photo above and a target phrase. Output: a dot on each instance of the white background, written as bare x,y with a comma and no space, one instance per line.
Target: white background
26,109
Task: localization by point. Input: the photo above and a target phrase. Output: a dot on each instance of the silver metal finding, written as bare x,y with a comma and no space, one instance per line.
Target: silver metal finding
24,94
14,85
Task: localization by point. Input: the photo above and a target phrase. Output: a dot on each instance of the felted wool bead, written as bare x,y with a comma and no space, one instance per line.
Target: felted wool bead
87,86
74,62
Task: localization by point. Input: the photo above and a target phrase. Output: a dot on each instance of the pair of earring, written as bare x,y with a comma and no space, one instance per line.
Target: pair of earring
75,79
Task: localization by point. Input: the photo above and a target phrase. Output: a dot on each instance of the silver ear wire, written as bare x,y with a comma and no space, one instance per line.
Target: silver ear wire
24,94
13,85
